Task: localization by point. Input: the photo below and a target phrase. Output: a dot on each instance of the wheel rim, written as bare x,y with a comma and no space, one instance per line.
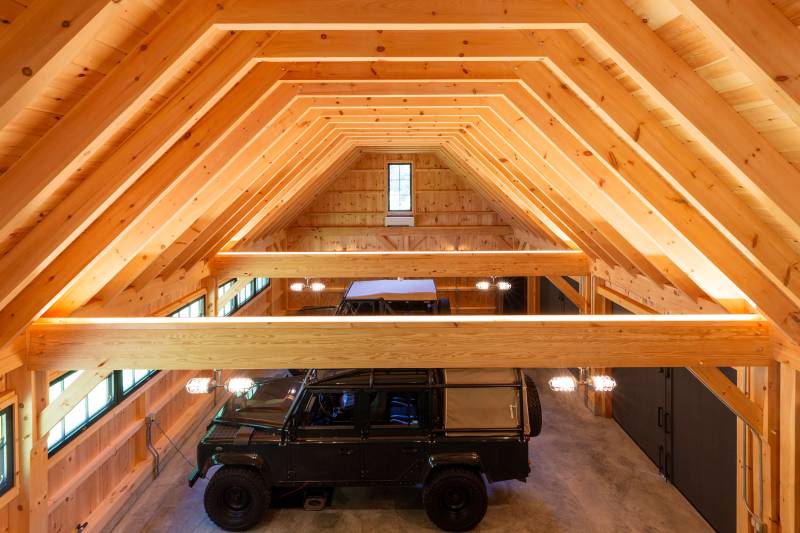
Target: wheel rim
455,499
236,499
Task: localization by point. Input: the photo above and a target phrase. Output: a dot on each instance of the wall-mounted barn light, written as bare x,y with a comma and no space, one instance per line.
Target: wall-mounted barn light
299,286
567,383
237,385
501,285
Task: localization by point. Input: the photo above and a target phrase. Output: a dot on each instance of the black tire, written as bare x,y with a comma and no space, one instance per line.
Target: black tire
444,306
236,498
534,407
455,499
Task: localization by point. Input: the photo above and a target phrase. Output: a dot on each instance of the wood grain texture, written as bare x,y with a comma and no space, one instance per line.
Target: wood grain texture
399,264
407,341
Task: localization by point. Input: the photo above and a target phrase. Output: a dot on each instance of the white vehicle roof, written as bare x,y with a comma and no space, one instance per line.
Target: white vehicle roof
392,289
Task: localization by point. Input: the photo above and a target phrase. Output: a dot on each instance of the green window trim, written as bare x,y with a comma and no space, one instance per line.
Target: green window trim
7,466
245,294
118,386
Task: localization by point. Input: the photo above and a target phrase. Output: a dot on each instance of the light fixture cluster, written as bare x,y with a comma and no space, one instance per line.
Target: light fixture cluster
485,285
316,286
568,383
237,385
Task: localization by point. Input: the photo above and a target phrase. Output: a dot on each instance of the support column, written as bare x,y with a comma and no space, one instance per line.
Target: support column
598,402
211,286
31,512
789,449
533,297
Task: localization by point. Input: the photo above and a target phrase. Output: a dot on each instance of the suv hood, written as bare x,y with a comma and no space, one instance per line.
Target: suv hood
267,404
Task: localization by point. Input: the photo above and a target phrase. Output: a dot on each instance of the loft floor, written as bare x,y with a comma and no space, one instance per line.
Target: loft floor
587,476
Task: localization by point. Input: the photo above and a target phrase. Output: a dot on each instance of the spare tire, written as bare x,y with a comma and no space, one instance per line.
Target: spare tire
534,407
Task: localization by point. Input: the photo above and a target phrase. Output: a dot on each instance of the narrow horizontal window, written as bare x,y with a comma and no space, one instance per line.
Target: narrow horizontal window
245,294
99,400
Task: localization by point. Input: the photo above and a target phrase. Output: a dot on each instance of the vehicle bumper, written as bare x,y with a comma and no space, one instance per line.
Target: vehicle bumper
194,476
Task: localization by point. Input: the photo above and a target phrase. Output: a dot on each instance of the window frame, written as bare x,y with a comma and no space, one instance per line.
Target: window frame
118,393
235,302
410,210
116,397
10,487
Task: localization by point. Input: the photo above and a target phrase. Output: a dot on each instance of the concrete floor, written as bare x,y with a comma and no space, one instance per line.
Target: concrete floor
588,476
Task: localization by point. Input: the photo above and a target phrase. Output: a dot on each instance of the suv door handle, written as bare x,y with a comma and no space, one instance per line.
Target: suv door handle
410,449
345,451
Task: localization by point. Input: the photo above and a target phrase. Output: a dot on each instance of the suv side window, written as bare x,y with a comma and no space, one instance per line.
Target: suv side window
394,409
329,409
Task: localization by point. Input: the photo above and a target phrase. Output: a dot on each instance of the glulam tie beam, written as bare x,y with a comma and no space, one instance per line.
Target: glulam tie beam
400,341
228,265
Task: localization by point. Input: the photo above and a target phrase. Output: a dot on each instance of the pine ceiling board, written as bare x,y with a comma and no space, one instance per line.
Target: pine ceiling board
688,41
790,8
121,35
55,101
656,13
76,79
141,15
15,143
99,57
9,11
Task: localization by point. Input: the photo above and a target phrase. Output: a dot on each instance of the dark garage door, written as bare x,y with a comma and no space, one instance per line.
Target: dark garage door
686,431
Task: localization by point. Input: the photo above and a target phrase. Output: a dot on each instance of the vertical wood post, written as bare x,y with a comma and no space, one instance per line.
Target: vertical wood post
211,286
31,512
598,402
534,295
789,449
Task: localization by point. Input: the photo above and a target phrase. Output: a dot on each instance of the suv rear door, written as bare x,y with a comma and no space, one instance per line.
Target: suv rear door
397,430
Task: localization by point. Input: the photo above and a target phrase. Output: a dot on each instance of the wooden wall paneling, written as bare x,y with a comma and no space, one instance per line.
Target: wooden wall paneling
514,214
40,42
694,103
93,120
297,342
350,238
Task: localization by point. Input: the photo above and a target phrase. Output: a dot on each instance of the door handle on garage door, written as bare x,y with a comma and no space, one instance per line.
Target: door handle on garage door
345,451
410,449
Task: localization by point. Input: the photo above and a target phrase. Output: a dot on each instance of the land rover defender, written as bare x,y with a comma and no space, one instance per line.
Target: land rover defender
443,429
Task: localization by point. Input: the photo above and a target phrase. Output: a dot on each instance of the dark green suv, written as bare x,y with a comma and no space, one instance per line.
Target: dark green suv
445,430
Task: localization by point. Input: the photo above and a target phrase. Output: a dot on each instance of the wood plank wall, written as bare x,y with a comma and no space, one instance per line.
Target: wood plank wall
92,478
449,215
